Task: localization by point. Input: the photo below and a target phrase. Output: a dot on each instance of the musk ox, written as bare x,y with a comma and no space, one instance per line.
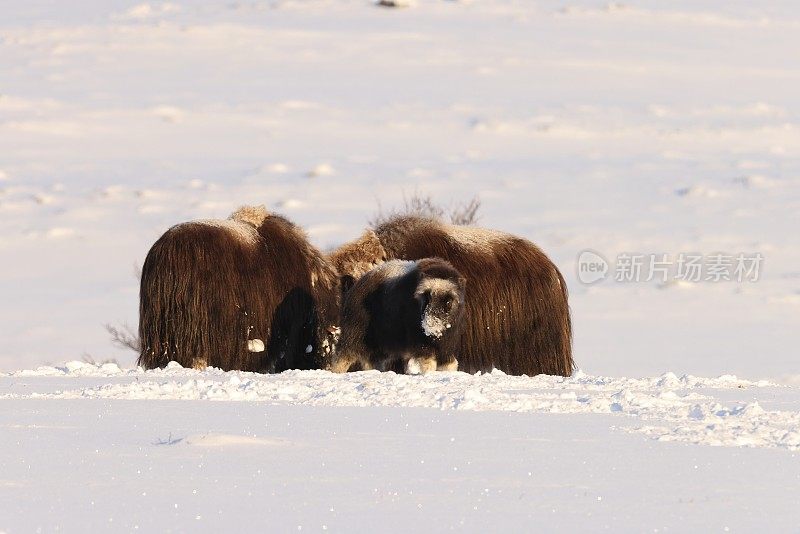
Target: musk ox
516,316
247,293
404,316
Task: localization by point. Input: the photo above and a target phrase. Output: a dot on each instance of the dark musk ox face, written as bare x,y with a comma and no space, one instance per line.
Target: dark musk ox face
441,303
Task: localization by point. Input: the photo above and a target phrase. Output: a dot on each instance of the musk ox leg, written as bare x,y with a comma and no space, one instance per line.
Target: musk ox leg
293,333
420,366
342,362
340,365
452,365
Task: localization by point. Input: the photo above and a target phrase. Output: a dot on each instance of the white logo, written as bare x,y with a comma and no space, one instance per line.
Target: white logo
592,267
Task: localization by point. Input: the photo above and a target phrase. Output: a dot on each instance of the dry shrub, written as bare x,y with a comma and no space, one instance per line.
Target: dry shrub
123,337
419,205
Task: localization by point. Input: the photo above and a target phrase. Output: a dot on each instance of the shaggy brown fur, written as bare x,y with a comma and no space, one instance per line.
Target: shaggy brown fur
517,315
403,315
247,293
353,260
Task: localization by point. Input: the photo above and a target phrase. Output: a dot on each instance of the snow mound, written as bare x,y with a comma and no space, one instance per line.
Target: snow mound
75,368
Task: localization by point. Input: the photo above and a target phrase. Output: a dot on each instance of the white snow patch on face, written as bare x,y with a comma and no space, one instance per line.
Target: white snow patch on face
434,326
256,345
309,348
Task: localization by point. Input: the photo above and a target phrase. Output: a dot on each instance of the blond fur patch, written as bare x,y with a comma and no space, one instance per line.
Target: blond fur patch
255,215
360,256
436,285
243,232
473,237
396,268
322,271
420,366
450,366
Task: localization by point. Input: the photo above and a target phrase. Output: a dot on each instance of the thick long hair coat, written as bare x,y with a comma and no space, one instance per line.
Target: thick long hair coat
517,312
404,316
248,293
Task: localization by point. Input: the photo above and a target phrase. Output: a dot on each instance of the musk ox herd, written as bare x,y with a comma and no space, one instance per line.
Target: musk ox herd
410,295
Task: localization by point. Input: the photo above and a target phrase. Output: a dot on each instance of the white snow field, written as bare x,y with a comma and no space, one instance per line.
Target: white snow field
641,127
88,447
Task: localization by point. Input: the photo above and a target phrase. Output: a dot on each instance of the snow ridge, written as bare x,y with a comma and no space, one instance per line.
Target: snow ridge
667,407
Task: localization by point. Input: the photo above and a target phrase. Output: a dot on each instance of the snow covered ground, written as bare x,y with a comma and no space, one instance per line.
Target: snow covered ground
641,127
89,447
